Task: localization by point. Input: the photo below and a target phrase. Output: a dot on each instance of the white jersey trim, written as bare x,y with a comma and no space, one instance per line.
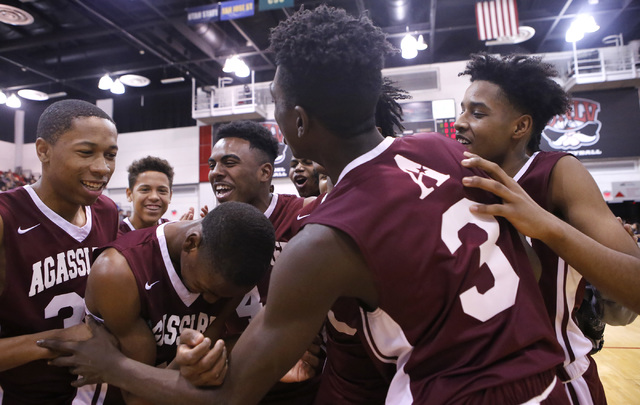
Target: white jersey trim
78,233
390,345
272,205
373,153
525,167
185,295
129,224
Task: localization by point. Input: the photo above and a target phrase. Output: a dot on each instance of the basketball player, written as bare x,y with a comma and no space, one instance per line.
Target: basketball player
47,233
304,176
149,285
445,299
150,190
241,169
504,111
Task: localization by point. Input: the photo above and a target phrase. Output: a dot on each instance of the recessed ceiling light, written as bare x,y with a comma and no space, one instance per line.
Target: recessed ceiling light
33,95
135,80
14,16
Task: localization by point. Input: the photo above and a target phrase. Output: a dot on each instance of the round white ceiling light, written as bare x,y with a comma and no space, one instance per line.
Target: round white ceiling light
34,95
14,16
135,80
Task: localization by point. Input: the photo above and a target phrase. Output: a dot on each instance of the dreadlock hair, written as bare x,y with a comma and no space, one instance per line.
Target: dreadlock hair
388,111
330,64
258,136
58,118
238,240
528,85
149,164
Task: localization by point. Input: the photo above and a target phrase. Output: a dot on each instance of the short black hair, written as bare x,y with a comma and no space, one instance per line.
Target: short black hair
388,110
330,64
528,84
146,164
258,136
58,118
239,240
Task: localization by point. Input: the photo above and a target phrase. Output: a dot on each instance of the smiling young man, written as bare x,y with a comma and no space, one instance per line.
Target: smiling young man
150,190
149,285
550,197
241,169
47,233
445,300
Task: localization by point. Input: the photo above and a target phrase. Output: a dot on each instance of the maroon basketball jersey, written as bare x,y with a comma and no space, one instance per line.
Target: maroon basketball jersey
165,302
349,375
282,212
126,226
47,261
562,287
459,309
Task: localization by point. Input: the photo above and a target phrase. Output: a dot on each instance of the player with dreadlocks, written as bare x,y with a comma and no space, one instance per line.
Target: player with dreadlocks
550,197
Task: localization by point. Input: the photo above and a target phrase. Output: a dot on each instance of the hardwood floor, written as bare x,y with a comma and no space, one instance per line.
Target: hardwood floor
619,364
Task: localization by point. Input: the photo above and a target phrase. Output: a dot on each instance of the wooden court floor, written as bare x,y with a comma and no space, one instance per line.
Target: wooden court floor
619,364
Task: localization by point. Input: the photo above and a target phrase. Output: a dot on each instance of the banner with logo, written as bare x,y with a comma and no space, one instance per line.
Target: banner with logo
283,160
203,14
274,4
234,9
601,124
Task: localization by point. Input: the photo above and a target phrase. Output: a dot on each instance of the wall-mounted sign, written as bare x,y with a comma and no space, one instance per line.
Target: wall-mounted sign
601,124
203,14
274,4
234,9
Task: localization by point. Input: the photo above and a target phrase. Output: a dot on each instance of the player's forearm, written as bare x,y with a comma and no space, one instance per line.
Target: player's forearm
156,385
19,350
614,273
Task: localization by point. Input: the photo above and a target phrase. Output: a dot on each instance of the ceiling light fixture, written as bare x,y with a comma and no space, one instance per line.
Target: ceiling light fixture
117,87
169,80
105,82
236,65
582,25
135,80
34,95
410,45
3,97
13,101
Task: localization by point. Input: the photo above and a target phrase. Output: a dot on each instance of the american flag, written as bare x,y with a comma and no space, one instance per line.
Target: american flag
496,19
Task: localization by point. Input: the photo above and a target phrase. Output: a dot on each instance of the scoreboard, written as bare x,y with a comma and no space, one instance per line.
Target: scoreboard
429,116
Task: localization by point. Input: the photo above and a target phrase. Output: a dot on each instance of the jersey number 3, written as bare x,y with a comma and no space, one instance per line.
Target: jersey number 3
503,293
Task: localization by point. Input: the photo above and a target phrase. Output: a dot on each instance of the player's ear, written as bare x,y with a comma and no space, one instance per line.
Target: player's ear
524,126
129,194
43,149
266,172
192,241
302,120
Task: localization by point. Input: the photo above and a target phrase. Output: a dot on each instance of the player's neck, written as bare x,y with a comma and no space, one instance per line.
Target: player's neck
341,151
71,212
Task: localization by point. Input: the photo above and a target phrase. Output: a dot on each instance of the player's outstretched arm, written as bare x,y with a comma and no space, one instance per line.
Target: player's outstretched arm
589,239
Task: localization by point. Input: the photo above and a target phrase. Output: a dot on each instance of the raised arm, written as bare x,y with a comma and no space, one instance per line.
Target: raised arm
589,239
112,295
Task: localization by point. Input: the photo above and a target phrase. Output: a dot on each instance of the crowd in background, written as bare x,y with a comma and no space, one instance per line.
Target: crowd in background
10,179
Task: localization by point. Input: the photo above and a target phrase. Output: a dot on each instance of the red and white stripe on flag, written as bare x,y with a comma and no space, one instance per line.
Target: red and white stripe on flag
496,18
